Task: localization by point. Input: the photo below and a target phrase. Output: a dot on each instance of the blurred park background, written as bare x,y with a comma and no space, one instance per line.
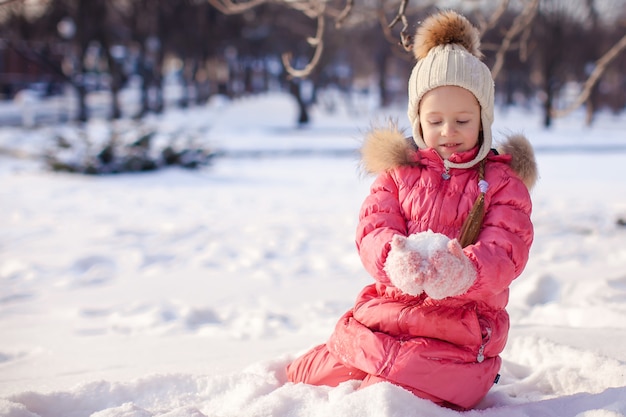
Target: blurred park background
73,60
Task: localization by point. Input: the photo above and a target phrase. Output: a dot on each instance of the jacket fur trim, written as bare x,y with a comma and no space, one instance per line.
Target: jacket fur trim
387,148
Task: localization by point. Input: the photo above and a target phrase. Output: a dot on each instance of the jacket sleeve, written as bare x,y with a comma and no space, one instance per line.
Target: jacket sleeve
379,219
502,249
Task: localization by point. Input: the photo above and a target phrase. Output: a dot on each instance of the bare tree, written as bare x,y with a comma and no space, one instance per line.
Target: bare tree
559,26
352,14
599,68
344,16
520,28
95,24
89,20
307,35
143,19
543,25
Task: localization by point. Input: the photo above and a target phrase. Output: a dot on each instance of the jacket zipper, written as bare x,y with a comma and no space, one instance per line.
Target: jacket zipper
481,350
446,174
443,188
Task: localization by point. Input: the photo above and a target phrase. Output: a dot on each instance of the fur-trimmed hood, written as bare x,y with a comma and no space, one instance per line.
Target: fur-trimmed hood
388,148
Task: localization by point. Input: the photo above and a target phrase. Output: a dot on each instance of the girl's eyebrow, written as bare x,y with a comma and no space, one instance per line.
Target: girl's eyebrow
436,113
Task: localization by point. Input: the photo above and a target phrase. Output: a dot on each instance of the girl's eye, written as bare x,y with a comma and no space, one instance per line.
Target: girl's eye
434,122
462,122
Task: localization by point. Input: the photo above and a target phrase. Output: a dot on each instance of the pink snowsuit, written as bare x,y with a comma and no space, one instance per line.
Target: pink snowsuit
443,350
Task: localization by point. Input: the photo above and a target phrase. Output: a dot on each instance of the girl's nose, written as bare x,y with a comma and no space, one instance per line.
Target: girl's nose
447,129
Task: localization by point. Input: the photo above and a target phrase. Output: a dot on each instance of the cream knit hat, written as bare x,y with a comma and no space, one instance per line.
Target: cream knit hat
447,48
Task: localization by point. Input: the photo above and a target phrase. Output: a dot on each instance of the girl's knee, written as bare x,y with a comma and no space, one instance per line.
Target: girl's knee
319,367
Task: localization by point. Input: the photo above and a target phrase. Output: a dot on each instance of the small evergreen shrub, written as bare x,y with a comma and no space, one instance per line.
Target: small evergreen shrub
135,150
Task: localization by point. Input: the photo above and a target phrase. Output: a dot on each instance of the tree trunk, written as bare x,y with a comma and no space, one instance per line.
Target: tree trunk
83,112
81,89
146,74
294,89
385,100
547,107
116,78
590,106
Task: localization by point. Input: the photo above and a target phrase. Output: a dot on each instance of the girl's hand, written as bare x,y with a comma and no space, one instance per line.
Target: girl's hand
449,272
429,262
405,266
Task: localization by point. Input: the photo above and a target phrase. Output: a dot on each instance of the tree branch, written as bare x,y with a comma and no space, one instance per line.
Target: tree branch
600,66
344,13
32,55
317,42
229,7
5,2
484,25
397,49
406,39
521,22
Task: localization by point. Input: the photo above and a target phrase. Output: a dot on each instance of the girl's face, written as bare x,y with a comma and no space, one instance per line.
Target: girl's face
449,120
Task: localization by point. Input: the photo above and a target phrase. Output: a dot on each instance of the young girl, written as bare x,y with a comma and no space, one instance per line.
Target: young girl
444,231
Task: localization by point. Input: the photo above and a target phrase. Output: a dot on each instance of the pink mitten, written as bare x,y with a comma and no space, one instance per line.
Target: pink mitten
404,266
449,273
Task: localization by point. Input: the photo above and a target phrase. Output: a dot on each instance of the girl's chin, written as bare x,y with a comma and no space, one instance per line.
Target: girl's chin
445,154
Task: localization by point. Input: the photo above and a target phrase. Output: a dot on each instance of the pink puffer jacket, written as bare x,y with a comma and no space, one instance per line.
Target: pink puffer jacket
446,350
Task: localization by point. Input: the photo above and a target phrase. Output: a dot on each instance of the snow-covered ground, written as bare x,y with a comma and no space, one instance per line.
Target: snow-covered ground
185,293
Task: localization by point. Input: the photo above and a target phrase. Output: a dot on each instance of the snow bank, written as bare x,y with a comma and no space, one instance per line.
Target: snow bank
185,293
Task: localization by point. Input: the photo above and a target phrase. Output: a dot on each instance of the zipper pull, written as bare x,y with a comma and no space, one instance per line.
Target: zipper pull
481,350
481,354
446,174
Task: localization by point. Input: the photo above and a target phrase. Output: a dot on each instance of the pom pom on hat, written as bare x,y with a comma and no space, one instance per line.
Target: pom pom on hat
446,28
447,47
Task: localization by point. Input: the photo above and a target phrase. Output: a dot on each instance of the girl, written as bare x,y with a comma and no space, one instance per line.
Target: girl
444,231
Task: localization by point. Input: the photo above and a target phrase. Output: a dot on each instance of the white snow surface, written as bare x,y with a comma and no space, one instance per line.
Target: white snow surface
186,293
